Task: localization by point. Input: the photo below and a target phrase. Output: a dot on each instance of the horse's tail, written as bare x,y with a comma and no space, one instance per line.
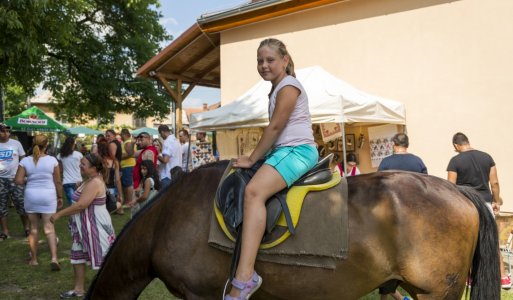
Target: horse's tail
485,272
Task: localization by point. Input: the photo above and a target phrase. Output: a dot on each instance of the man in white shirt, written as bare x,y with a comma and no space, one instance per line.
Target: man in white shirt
171,155
183,136
11,152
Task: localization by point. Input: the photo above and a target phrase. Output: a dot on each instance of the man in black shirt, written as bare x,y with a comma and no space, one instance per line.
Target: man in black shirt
477,169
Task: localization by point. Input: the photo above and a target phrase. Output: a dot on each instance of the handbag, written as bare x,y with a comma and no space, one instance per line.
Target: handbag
110,202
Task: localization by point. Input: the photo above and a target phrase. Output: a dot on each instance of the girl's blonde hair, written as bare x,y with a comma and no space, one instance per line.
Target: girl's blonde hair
40,144
280,48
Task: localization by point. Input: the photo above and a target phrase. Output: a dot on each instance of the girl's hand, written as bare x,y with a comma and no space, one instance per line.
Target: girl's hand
54,218
496,207
59,202
243,162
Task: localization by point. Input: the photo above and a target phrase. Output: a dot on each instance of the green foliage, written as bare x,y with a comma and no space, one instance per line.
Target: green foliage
15,98
84,52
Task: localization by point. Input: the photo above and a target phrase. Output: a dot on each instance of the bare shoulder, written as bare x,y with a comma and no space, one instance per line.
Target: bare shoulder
289,91
95,186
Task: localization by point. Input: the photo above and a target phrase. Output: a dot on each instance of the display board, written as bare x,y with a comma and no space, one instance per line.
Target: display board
201,154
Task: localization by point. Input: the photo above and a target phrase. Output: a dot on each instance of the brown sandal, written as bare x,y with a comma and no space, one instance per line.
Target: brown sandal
3,237
54,266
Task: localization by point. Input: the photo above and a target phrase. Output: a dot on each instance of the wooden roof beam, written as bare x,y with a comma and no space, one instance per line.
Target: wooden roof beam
195,59
209,69
168,88
189,80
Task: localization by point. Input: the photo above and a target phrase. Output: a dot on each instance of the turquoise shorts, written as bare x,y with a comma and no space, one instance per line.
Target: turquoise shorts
292,162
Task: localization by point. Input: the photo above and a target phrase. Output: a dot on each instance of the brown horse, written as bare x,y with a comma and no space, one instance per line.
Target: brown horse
410,229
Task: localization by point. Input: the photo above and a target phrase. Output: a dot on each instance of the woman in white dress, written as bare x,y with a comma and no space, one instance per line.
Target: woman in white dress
43,195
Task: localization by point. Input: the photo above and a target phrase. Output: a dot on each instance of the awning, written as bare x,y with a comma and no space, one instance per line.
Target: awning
83,130
34,119
148,130
331,100
193,58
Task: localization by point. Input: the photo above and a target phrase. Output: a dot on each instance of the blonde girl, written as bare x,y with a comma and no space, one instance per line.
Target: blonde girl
288,147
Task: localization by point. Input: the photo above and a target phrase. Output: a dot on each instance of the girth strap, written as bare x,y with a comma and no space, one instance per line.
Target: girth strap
236,253
282,197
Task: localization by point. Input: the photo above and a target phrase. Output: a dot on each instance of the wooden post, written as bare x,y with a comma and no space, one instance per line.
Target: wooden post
178,97
178,110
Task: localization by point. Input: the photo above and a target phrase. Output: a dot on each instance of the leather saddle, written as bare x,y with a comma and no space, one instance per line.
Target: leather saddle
230,197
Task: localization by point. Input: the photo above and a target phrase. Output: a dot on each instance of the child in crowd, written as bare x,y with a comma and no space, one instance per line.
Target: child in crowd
150,186
351,168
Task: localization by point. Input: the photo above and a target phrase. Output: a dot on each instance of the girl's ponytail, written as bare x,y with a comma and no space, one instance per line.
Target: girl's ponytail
40,144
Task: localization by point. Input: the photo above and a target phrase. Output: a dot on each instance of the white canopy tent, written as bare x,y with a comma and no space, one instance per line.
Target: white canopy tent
331,100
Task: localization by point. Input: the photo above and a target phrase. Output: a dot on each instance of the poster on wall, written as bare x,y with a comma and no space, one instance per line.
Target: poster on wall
380,142
330,131
247,141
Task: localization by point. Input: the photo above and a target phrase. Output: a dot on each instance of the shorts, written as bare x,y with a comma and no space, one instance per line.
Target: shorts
69,189
10,190
127,176
292,162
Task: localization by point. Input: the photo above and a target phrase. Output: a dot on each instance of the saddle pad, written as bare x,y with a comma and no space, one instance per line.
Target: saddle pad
321,234
294,199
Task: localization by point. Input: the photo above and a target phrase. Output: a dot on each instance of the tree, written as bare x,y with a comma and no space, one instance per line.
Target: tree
85,52
15,100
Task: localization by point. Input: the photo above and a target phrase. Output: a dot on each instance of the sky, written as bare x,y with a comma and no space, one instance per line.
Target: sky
178,15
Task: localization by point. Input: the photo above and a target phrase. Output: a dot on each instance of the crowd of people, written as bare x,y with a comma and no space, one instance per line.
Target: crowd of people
132,168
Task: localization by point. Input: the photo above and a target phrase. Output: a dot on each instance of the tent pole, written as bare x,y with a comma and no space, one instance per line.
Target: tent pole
343,130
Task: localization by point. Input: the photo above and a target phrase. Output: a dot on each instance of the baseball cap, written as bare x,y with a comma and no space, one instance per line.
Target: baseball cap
143,134
3,126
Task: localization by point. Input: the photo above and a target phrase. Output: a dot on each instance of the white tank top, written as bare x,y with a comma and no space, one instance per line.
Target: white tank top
298,130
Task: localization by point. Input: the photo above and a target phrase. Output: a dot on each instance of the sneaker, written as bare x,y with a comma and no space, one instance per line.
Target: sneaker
247,288
506,282
71,294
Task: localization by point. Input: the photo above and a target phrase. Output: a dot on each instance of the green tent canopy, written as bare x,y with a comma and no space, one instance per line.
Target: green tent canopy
34,119
83,130
150,131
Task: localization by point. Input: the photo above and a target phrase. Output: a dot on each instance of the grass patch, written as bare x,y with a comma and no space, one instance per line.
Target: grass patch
18,280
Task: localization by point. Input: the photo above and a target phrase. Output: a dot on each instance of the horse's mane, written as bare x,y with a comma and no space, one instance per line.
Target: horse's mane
179,177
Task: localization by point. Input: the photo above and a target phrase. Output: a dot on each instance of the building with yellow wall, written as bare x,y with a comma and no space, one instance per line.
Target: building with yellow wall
449,62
